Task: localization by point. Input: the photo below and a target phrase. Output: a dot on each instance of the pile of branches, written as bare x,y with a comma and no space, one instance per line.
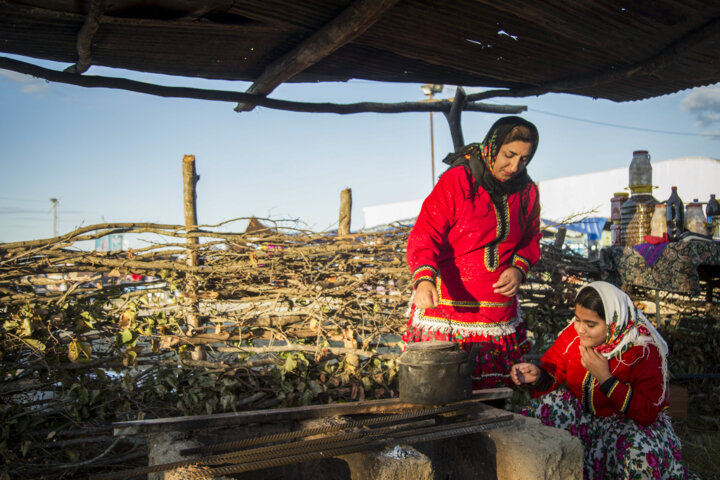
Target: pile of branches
201,321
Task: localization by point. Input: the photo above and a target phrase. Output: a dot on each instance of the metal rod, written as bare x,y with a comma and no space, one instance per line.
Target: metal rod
326,429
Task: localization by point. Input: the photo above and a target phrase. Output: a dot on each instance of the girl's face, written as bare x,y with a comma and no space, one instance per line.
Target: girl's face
589,326
511,159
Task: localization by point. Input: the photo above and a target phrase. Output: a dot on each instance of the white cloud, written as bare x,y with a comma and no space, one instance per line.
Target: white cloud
704,103
28,84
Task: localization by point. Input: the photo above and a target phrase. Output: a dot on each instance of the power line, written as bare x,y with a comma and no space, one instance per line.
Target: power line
623,126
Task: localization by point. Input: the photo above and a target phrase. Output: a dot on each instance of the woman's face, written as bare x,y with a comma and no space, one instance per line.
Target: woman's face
511,159
589,326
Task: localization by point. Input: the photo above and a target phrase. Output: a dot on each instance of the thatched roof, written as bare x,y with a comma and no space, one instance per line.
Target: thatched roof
619,50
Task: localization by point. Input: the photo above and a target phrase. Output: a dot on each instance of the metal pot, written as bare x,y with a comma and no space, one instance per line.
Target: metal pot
433,373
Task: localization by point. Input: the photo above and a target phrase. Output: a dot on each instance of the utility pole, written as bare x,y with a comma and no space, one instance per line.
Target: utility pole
429,90
54,202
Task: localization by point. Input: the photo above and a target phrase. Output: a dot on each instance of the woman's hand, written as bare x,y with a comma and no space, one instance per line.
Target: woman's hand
595,363
509,282
426,295
524,373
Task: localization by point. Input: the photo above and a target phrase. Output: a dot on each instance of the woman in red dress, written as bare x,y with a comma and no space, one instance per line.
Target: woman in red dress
605,381
472,245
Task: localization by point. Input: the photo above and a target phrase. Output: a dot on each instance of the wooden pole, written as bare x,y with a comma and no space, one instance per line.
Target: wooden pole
432,148
345,209
453,118
96,81
190,179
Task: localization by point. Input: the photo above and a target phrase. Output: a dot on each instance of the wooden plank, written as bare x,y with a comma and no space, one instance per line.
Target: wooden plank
199,422
347,26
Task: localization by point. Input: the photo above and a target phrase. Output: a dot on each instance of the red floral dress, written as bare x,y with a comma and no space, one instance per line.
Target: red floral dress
463,242
625,433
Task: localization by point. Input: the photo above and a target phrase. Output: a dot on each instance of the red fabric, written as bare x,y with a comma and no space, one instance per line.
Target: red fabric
450,235
657,240
639,371
452,244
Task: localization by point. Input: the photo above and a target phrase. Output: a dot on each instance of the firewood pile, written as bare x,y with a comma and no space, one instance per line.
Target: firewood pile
279,285
233,321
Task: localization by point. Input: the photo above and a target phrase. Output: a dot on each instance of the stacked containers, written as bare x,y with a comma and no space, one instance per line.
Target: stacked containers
636,213
616,203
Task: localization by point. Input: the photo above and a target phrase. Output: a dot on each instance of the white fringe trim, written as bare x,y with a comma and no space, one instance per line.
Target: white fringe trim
449,327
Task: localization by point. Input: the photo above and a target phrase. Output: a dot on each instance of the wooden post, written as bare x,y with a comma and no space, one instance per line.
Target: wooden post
453,118
345,208
190,179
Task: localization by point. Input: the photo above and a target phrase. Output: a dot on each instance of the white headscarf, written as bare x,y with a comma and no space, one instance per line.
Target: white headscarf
626,327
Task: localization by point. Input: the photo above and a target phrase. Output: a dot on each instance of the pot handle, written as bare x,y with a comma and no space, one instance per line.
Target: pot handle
466,368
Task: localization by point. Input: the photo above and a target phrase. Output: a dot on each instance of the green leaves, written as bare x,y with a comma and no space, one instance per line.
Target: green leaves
79,351
126,337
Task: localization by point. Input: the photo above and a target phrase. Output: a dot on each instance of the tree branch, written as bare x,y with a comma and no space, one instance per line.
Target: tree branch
350,24
95,81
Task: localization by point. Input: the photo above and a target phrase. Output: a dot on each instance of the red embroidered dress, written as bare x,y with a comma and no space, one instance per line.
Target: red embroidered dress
635,392
463,242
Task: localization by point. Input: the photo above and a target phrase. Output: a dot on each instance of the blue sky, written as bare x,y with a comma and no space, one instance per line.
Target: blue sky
115,156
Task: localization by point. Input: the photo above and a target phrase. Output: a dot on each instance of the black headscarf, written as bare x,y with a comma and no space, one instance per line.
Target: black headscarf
479,158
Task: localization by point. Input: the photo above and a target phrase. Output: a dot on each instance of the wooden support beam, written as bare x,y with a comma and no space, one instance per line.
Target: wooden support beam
85,37
345,212
190,179
96,81
453,118
344,28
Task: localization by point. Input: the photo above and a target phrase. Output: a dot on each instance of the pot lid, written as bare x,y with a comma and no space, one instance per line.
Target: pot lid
433,346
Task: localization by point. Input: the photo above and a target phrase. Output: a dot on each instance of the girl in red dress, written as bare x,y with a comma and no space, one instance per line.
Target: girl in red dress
605,381
472,245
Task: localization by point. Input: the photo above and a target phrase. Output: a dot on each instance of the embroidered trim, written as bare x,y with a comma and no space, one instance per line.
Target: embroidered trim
502,230
468,303
460,303
447,326
612,389
521,262
426,267
628,397
420,279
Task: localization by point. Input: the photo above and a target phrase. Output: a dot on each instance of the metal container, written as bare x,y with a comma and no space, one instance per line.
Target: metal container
637,214
640,174
615,203
615,234
435,373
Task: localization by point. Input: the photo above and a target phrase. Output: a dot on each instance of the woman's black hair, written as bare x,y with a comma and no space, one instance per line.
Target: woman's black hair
590,298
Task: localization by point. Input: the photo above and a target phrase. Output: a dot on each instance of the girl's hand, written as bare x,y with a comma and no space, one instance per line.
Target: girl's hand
595,363
509,282
524,373
426,295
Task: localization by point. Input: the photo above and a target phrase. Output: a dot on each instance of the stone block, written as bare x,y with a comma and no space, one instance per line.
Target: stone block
531,450
399,462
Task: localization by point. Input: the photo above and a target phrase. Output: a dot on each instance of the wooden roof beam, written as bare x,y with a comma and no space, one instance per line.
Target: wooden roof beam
85,37
96,81
344,28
